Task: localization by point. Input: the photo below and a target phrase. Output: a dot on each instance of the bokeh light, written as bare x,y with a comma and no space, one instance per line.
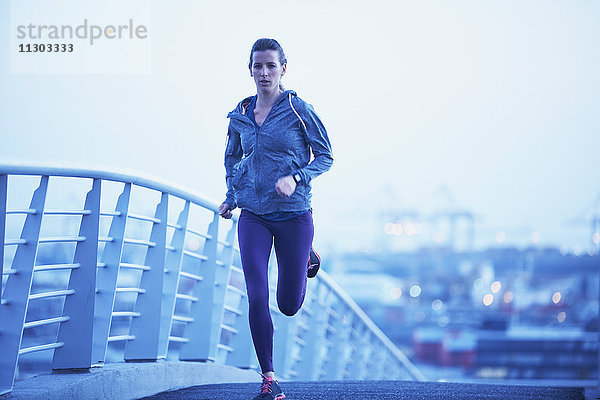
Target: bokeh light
443,321
556,297
496,286
398,229
415,291
393,228
488,299
389,228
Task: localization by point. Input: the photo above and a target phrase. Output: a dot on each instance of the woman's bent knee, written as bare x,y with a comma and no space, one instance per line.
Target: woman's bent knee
289,309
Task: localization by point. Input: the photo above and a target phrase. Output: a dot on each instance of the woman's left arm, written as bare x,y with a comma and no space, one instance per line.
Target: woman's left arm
319,142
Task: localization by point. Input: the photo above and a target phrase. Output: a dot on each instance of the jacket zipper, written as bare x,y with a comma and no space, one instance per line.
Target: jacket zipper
258,188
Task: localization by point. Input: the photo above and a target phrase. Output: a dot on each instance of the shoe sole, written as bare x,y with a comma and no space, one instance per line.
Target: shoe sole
314,266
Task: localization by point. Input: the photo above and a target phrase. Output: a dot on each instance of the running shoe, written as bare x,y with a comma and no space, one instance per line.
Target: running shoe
270,390
314,262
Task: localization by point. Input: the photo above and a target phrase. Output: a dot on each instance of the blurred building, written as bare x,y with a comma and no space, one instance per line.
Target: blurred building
508,313
537,353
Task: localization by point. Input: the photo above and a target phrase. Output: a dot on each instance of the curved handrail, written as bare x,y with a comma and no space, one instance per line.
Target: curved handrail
214,324
123,175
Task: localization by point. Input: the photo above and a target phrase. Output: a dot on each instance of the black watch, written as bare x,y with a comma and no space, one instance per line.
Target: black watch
297,178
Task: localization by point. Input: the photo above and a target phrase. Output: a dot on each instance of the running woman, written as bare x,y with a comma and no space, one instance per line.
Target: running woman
268,174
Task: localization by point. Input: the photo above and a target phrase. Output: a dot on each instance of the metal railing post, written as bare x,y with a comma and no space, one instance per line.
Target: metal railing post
16,294
222,280
285,335
171,283
107,275
77,332
146,327
3,201
360,353
340,347
311,355
285,329
377,370
243,355
203,331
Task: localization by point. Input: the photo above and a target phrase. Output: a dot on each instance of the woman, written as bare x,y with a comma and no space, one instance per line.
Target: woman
268,175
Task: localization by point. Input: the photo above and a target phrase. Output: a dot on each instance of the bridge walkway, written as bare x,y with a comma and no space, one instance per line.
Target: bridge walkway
380,390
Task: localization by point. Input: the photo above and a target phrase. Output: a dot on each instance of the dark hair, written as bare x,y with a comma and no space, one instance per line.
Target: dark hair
268,44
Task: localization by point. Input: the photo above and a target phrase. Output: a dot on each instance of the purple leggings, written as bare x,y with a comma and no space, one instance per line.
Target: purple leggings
293,239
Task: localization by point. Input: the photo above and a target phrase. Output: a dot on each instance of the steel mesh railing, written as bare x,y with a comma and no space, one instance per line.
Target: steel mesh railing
145,270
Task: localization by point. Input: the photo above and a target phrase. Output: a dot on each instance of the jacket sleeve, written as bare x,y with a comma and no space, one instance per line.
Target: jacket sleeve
319,142
233,155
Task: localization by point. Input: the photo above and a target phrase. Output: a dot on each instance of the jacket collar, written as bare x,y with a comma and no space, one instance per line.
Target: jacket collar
246,102
240,111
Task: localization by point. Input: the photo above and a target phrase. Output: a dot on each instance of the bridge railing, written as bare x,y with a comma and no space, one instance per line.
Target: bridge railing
112,266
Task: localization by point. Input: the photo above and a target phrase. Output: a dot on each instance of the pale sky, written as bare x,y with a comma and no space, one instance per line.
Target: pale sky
489,106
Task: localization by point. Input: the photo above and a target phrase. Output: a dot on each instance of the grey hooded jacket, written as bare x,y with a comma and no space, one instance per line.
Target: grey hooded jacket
256,157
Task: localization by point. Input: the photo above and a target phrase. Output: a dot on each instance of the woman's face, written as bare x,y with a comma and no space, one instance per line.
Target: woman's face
266,70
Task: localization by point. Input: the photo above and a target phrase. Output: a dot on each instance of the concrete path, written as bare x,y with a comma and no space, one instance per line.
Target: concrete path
379,390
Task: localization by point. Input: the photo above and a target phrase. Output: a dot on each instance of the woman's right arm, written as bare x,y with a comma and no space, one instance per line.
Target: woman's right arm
233,155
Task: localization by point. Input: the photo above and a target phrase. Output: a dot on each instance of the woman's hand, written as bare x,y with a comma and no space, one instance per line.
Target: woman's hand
285,186
224,211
